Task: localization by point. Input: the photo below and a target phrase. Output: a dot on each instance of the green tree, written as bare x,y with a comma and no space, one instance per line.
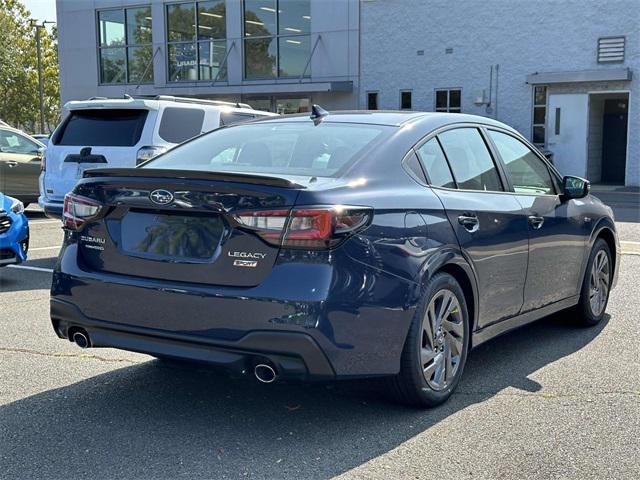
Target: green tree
19,104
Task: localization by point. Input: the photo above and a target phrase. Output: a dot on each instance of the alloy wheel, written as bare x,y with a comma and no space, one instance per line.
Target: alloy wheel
442,340
599,283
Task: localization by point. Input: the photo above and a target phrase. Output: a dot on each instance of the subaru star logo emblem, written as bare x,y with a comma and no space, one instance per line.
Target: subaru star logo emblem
161,197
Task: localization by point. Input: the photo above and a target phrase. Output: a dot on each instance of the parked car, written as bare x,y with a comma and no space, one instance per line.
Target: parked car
124,132
14,231
42,138
338,246
20,161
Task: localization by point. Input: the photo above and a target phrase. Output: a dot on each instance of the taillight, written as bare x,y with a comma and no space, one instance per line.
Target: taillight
78,210
306,227
43,161
147,153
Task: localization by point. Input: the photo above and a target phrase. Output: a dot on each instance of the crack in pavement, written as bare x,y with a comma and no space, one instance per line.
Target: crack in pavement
68,354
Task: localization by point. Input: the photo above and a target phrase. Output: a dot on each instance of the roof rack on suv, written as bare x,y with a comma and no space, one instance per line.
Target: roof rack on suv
171,98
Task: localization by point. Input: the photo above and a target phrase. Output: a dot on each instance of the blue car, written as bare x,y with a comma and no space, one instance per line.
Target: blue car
14,231
333,246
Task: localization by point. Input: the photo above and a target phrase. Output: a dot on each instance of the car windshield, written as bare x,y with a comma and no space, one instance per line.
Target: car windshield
293,148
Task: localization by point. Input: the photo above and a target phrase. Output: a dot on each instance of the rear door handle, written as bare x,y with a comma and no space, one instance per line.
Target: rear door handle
12,164
469,221
535,221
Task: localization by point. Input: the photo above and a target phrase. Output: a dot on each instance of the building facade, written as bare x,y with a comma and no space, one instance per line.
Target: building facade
277,55
561,72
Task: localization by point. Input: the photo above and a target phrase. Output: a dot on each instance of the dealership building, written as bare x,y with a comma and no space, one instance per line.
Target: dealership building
562,73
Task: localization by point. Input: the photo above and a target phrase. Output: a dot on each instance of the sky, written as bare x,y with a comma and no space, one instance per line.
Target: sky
41,9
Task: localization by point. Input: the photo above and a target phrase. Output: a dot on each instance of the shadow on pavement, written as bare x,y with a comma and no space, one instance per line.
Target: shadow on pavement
156,421
18,280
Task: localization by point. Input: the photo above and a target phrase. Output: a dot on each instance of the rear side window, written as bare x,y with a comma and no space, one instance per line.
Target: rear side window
296,148
436,165
180,124
104,128
470,160
229,118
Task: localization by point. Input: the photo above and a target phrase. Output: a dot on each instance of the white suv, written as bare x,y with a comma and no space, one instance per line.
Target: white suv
123,132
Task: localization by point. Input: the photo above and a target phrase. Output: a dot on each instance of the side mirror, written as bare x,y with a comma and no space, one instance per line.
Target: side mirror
575,187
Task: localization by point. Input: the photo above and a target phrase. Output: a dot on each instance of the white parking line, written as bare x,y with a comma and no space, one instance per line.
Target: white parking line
45,221
36,249
29,267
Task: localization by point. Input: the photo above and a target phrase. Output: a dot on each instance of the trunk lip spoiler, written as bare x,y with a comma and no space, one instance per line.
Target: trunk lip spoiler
250,178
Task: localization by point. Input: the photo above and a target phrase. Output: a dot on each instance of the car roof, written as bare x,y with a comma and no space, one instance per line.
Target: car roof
427,120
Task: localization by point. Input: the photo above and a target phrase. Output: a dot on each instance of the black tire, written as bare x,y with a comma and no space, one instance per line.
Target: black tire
410,386
584,313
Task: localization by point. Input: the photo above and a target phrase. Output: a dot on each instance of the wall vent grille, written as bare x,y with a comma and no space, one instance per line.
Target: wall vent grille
611,49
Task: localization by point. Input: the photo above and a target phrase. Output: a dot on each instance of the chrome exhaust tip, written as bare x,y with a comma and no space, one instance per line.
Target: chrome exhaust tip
81,339
265,373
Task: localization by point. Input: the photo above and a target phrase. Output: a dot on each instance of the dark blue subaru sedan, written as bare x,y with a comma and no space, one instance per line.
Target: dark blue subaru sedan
342,245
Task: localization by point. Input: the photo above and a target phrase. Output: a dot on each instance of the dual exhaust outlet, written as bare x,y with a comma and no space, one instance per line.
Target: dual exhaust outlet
263,372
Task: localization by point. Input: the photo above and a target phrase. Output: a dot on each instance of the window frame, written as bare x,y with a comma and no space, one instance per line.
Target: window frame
276,36
556,178
447,109
481,127
126,45
535,105
196,42
377,94
410,92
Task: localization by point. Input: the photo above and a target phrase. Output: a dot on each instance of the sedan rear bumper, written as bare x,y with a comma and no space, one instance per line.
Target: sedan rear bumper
294,355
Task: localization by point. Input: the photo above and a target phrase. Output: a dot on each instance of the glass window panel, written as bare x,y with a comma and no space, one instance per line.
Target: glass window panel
102,127
180,124
211,55
139,59
413,164
372,101
538,135
113,65
181,20
259,17
211,20
294,54
111,28
405,100
138,25
441,99
259,103
539,115
260,57
285,106
436,165
528,173
470,160
540,95
182,62
294,16
454,110
454,99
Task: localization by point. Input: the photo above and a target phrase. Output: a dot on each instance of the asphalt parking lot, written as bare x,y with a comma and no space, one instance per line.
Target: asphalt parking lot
547,401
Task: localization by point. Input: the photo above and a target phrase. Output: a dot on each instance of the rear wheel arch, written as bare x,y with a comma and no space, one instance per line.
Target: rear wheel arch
468,289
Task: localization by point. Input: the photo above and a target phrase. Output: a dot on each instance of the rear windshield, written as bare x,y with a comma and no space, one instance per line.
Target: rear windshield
105,128
280,148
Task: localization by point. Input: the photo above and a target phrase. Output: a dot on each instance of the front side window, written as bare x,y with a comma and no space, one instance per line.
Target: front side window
528,173
124,45
11,142
470,160
277,40
449,100
435,164
197,41
296,148
539,114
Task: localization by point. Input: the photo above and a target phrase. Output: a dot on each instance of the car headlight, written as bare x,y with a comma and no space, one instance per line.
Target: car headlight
17,206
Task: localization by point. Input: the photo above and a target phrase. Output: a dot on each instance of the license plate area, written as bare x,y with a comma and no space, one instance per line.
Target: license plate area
167,237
